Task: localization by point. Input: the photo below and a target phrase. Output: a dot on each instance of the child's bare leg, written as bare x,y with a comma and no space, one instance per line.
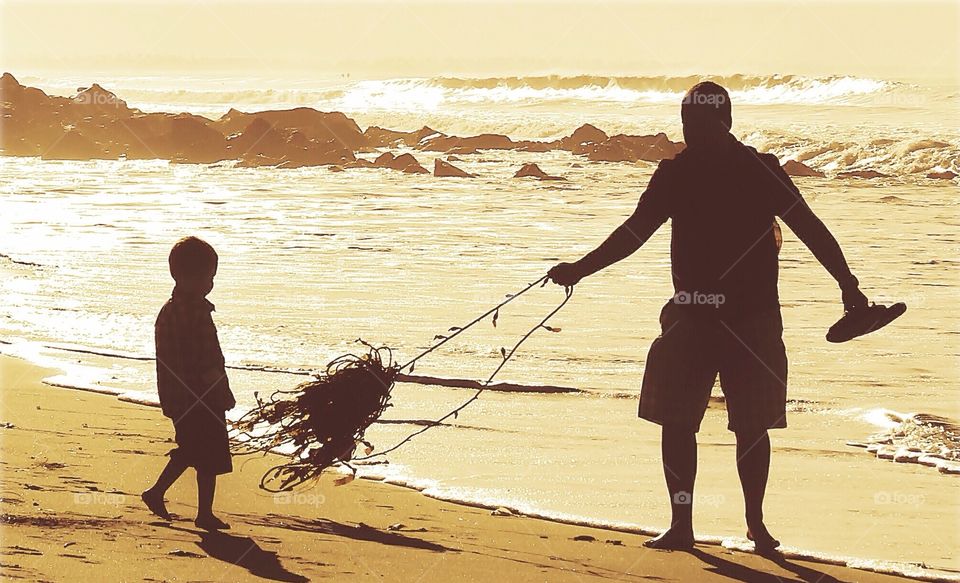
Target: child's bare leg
153,497
206,488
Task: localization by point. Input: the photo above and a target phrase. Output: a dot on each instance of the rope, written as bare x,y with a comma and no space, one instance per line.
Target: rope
507,355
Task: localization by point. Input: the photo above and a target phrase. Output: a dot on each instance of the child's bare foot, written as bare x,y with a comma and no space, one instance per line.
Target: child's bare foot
674,539
154,502
210,522
763,541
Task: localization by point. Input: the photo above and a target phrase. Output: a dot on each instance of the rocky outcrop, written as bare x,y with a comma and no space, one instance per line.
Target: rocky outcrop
443,143
321,127
444,168
473,144
861,174
96,124
535,146
74,146
404,162
624,148
97,99
794,168
582,137
378,137
533,170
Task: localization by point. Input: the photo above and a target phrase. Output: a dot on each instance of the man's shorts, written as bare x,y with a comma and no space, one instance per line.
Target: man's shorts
684,361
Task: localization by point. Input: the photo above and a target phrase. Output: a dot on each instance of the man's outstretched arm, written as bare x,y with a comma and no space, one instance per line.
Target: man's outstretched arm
808,227
650,213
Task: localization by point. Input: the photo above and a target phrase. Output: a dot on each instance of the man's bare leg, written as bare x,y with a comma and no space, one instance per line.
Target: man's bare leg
753,465
679,450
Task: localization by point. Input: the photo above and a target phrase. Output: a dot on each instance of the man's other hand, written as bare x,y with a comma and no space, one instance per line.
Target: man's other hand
565,274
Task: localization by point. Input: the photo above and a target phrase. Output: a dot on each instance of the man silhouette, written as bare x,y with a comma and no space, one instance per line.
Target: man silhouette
724,318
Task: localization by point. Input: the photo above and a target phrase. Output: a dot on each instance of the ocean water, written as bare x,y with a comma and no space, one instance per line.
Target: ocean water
313,259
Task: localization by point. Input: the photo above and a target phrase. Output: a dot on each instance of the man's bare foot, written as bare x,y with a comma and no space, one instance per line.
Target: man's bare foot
155,503
210,523
763,541
674,539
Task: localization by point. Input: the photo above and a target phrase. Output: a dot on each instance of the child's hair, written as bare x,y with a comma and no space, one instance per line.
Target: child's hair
192,257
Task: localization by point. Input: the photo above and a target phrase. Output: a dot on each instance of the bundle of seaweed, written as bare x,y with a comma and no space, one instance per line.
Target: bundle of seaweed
319,423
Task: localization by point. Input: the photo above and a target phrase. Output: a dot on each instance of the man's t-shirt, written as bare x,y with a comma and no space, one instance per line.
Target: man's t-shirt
722,206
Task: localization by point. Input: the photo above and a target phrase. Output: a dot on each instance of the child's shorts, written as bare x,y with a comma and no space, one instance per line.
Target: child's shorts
202,442
684,361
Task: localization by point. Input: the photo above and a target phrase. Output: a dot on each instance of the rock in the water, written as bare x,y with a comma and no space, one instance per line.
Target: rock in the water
624,148
907,455
470,144
581,137
97,98
404,162
316,125
932,461
861,174
949,468
191,139
378,137
946,175
535,146
794,168
96,124
74,146
886,453
443,168
533,170
259,138
462,150
360,163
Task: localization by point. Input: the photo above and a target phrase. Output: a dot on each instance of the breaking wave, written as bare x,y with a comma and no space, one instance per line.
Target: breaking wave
775,89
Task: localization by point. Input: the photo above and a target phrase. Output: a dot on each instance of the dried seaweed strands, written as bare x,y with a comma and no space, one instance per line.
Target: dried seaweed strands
319,423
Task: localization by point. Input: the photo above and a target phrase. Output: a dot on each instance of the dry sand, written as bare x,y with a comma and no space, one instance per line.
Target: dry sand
74,462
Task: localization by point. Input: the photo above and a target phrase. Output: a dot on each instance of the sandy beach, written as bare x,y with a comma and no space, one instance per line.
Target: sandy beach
74,463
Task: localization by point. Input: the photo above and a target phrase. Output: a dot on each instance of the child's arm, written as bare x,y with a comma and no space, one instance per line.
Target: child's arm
171,385
214,375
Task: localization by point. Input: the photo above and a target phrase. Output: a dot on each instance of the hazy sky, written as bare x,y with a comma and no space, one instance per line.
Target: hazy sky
904,40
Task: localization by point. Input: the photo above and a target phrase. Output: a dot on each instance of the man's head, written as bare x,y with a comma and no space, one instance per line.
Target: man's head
193,264
705,112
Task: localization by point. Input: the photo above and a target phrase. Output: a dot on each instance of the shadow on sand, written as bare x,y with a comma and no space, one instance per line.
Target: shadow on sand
746,574
241,551
359,531
244,552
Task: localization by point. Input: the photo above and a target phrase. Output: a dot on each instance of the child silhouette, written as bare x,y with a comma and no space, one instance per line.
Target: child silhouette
192,382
